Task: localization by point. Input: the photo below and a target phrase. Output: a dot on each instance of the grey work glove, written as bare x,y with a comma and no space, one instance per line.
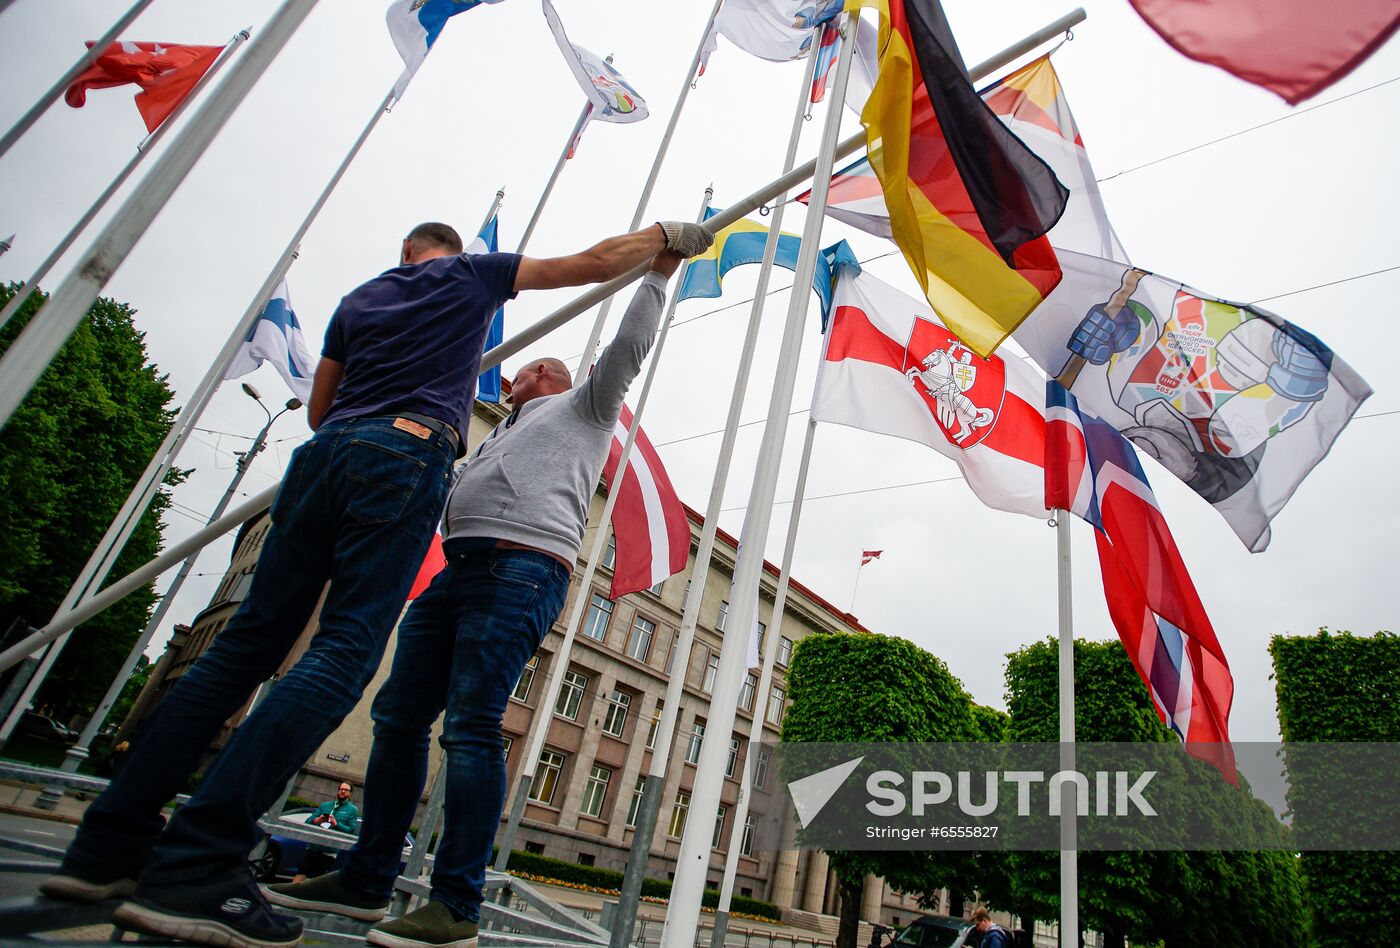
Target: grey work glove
685,238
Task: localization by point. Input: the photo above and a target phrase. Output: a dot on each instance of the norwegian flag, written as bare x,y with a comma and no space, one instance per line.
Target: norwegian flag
1092,470
648,520
867,556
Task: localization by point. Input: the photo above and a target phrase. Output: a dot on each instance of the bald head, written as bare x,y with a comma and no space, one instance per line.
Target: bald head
538,378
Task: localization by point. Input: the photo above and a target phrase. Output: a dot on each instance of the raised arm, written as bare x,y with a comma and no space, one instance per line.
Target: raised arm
612,257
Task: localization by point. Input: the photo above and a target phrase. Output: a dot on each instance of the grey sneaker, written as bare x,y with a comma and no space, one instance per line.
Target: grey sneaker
326,894
74,888
431,926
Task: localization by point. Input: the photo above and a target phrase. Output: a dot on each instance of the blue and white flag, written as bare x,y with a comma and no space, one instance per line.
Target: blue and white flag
414,25
276,337
488,383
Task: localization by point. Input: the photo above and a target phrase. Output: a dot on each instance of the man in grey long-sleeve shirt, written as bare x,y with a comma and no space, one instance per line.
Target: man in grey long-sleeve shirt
515,519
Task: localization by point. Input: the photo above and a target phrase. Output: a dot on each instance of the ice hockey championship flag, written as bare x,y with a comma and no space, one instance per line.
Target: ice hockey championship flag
969,203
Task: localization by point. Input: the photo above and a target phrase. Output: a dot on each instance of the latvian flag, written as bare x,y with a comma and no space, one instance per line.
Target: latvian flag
1092,470
648,520
869,556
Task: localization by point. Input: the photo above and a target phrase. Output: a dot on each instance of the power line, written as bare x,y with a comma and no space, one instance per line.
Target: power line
707,434
1245,131
849,493
1319,286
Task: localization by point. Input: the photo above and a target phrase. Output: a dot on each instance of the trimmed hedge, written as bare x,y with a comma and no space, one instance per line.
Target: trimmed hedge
610,879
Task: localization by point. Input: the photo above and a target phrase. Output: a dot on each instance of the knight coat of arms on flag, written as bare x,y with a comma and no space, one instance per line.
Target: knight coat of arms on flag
963,390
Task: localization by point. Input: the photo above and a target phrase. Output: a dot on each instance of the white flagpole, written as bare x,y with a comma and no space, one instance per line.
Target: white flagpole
760,701
58,88
655,781
532,334
104,556
554,176
587,361
692,863
142,150
544,711
1069,855
856,588
495,206
32,351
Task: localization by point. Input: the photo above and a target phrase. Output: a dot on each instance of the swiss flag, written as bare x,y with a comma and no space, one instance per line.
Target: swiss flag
166,73
648,520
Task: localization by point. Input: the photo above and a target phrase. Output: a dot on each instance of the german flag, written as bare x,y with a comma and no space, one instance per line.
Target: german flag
969,203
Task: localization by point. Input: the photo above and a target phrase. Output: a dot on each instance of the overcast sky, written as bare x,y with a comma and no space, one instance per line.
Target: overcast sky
1287,213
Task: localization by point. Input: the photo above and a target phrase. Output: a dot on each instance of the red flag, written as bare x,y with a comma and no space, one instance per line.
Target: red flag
867,556
166,74
1293,49
432,565
648,520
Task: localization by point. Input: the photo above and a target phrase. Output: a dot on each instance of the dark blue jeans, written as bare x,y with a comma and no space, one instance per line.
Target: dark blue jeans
461,647
357,508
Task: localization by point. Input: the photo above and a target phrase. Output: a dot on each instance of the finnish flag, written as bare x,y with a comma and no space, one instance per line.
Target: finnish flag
276,337
414,25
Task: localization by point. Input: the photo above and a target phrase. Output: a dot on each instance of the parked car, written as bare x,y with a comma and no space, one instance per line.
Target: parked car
937,931
40,725
281,855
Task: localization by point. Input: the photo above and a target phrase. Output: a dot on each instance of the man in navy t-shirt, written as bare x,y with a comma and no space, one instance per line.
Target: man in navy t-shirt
357,508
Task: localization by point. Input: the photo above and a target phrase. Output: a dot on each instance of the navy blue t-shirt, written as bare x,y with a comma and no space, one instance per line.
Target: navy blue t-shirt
411,339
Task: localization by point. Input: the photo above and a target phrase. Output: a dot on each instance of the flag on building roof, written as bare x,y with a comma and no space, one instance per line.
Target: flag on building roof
1234,400
276,337
166,73
648,520
775,30
612,97
1293,49
488,383
892,367
828,51
969,203
741,243
869,556
414,26
1091,470
433,563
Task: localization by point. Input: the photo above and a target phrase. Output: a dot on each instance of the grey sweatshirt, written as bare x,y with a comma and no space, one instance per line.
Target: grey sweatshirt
531,479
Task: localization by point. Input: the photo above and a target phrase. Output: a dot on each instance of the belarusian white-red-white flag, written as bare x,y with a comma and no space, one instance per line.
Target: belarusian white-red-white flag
892,367
648,520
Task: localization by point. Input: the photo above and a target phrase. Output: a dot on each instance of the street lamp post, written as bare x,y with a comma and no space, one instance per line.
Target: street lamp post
81,750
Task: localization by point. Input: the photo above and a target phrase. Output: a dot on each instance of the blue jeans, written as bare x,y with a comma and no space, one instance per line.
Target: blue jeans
462,647
357,508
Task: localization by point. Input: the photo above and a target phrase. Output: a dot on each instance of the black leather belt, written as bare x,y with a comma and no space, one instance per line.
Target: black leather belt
439,426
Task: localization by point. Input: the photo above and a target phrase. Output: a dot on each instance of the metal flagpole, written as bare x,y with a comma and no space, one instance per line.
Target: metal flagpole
537,331
79,752
587,361
654,784
683,912
5,244
142,150
57,89
760,702
495,206
32,351
544,711
554,176
1069,855
856,588
104,557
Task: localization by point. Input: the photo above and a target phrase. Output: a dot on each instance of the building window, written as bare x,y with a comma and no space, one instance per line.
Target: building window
678,813
723,616
639,642
732,764
595,791
610,554
785,651
671,655
775,706
635,806
697,737
546,777
759,630
595,626
534,849
655,723
717,840
760,768
711,670
746,842
527,677
586,859
571,695
746,693
656,590
613,721
506,744
686,598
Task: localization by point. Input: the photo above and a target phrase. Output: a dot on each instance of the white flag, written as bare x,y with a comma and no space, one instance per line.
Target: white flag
612,97
276,336
776,30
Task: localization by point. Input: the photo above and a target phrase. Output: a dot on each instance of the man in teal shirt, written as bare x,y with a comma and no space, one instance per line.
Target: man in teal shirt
338,814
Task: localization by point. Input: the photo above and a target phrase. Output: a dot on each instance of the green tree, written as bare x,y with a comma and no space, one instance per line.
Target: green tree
902,693
68,458
1340,687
